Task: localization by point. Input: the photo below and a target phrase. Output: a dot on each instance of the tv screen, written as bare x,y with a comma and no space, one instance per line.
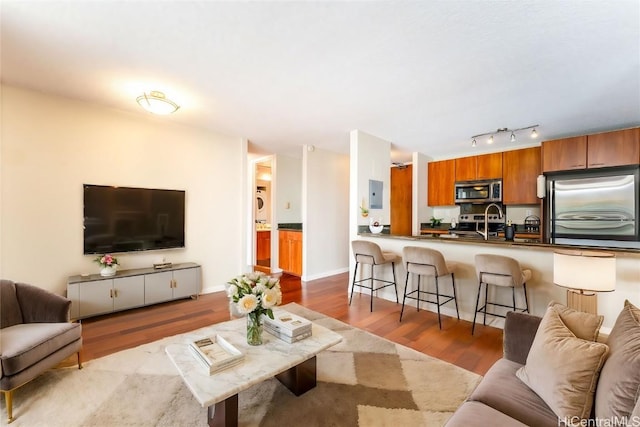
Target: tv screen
124,219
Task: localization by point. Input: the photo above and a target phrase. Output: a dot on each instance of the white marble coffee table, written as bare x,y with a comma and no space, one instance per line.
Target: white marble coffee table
293,364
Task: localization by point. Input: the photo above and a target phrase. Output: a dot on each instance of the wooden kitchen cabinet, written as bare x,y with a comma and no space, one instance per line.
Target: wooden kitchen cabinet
490,166
290,251
564,154
466,168
520,171
263,245
485,166
440,182
617,148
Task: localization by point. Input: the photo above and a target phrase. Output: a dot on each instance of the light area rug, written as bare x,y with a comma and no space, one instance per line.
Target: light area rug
363,381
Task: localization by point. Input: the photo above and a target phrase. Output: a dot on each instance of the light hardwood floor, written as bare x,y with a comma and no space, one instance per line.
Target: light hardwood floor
419,330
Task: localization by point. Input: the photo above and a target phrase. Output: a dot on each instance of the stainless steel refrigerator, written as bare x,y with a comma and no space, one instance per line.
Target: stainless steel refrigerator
595,208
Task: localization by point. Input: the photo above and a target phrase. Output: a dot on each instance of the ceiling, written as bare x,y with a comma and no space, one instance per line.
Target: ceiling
425,75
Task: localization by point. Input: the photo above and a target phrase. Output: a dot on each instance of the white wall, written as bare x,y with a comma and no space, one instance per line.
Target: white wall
326,205
288,202
421,212
370,160
51,146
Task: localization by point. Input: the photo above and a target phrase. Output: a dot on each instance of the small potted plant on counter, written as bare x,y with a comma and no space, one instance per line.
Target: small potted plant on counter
435,222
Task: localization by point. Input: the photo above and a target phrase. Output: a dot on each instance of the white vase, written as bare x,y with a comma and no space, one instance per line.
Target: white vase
108,271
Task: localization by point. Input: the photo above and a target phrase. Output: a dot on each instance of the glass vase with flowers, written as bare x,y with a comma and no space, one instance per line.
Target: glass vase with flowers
254,294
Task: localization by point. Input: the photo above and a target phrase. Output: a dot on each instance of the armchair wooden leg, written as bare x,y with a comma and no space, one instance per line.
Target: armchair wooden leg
79,361
8,398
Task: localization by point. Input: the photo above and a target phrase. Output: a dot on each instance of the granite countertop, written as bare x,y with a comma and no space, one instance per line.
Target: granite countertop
290,226
517,242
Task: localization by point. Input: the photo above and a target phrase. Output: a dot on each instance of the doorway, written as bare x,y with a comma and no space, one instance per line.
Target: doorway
262,216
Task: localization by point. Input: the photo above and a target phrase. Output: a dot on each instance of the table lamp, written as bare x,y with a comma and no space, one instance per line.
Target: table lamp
584,273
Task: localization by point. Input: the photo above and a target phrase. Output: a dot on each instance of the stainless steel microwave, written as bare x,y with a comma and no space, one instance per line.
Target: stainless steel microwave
478,191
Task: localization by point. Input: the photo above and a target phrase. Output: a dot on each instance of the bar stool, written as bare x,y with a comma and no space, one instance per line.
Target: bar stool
370,253
431,263
502,271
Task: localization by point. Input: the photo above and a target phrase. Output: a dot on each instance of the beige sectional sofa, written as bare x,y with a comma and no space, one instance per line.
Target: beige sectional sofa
554,372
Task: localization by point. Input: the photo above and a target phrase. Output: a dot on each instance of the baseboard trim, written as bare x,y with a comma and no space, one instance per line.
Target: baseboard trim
308,278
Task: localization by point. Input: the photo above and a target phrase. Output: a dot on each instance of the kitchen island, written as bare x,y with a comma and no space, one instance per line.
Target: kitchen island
531,253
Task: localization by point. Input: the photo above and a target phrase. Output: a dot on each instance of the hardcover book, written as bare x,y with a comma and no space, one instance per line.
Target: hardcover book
215,353
287,324
286,338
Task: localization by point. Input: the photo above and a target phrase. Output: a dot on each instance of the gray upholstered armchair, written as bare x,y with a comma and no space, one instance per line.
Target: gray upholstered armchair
35,335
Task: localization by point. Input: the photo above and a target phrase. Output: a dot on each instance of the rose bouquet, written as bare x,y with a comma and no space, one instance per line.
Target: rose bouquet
107,260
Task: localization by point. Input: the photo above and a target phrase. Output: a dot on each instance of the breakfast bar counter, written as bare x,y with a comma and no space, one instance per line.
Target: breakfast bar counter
531,254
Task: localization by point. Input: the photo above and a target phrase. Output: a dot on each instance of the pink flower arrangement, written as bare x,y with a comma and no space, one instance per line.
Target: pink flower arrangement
106,260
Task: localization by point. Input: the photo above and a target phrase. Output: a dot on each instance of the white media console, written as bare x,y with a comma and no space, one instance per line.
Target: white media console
94,295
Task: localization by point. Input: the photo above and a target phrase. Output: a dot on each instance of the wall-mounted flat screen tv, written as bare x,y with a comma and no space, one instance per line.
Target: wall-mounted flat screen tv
125,219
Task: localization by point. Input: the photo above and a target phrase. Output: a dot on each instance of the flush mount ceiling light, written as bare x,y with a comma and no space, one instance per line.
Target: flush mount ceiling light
155,102
512,138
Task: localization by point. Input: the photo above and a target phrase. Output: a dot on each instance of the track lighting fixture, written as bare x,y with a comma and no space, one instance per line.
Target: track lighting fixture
512,138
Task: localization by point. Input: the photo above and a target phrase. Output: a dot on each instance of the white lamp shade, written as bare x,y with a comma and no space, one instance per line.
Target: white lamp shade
588,271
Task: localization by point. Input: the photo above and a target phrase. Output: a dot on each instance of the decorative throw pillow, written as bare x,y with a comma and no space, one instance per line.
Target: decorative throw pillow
619,384
563,369
583,325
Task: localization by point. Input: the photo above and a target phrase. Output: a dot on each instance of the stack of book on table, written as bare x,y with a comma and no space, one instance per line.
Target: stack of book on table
215,353
286,326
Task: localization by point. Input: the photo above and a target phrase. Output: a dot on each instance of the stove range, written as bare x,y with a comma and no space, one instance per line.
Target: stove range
469,223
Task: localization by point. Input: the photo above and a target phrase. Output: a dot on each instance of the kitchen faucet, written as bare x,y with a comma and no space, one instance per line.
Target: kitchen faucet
485,234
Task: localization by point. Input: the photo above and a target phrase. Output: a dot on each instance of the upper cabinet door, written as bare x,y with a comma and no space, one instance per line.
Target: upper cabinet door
616,148
466,168
520,172
440,183
485,166
564,154
489,166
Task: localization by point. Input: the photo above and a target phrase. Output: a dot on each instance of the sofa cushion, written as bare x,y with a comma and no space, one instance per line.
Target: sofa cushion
619,384
563,369
583,325
26,344
635,414
10,313
503,391
478,414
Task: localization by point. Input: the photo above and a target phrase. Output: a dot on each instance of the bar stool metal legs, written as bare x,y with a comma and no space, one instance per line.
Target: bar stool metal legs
499,271
431,263
371,286
422,296
370,253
